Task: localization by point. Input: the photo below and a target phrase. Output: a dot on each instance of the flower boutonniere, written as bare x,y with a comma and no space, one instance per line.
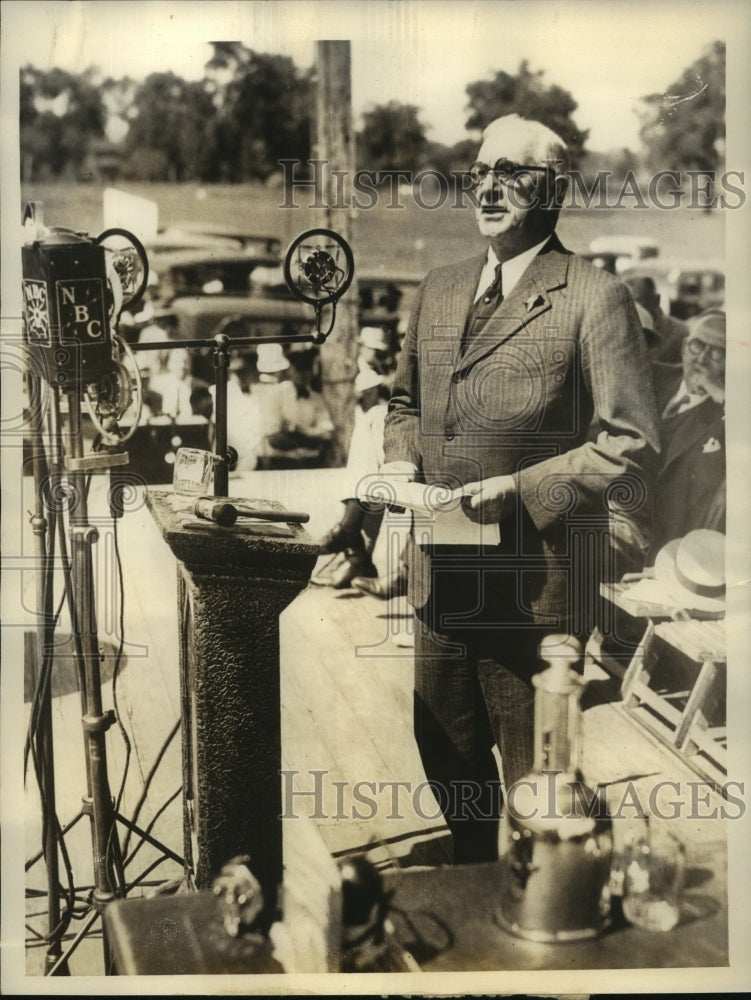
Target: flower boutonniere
533,301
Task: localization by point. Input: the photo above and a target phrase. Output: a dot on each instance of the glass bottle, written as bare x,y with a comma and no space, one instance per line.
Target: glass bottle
653,874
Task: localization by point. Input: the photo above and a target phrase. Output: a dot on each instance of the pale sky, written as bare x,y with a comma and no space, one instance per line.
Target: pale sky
607,53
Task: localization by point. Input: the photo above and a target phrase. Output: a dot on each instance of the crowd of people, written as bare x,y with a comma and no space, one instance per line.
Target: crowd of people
277,416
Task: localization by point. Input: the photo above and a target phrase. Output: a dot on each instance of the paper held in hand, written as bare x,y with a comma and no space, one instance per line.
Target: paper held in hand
438,517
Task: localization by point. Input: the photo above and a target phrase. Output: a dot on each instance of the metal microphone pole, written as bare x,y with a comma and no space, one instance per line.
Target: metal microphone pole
98,803
44,614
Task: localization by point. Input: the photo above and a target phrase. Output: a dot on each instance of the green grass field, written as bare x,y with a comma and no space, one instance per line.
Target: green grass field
408,239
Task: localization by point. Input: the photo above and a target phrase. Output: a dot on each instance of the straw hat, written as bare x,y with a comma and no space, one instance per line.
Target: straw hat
374,337
692,570
271,358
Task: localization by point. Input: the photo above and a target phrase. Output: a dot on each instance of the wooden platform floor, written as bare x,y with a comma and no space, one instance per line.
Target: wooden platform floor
346,668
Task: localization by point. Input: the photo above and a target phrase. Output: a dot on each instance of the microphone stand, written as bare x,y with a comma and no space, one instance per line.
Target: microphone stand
97,802
44,615
108,871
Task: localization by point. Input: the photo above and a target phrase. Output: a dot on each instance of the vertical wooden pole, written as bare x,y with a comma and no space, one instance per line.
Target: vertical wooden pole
334,145
221,368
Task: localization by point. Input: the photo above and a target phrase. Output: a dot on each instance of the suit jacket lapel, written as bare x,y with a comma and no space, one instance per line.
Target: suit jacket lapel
528,299
687,429
459,292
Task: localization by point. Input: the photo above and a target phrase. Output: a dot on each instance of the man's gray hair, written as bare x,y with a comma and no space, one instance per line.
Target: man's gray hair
541,144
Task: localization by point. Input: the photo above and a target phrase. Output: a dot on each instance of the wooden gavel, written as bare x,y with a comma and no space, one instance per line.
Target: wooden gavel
226,512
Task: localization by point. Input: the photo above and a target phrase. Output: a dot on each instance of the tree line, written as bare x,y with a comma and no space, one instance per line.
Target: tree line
253,109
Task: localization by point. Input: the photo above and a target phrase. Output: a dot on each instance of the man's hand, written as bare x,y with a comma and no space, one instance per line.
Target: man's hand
704,383
489,501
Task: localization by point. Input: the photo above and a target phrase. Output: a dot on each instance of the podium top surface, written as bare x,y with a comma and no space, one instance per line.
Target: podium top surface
206,546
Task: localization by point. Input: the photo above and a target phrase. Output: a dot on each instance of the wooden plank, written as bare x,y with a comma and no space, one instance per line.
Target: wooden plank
633,757
365,705
699,640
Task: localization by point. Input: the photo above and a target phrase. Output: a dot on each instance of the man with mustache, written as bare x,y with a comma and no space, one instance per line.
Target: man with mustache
508,358
690,487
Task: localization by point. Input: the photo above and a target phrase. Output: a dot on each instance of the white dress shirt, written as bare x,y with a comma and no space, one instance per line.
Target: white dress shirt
511,270
683,400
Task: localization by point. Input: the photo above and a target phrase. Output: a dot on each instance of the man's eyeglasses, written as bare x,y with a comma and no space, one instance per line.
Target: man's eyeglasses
506,171
697,347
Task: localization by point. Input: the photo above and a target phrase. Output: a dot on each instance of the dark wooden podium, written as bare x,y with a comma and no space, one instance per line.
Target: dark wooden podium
232,585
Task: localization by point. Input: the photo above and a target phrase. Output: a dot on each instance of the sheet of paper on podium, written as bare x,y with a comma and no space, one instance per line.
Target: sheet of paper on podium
438,517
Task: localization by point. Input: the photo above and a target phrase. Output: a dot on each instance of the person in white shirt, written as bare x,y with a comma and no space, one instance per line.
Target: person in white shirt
262,411
177,386
306,425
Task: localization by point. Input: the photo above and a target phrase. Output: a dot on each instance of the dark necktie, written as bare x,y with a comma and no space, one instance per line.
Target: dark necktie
484,307
675,406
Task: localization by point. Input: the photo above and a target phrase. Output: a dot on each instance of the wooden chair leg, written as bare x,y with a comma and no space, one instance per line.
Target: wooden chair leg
640,664
697,705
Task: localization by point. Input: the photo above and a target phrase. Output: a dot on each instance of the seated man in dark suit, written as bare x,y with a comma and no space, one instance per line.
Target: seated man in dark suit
689,491
690,488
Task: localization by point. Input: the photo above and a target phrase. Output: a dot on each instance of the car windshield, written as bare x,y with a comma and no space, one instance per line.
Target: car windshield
180,276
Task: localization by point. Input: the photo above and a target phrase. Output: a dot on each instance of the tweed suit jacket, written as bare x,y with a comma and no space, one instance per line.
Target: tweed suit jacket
564,345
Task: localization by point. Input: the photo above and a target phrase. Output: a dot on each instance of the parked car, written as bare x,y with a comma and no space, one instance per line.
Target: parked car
210,279
199,236
204,291
627,250
199,317
685,287
219,290
696,287
607,261
211,272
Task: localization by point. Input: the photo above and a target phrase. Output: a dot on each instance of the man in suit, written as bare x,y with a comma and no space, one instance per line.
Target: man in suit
507,359
690,488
